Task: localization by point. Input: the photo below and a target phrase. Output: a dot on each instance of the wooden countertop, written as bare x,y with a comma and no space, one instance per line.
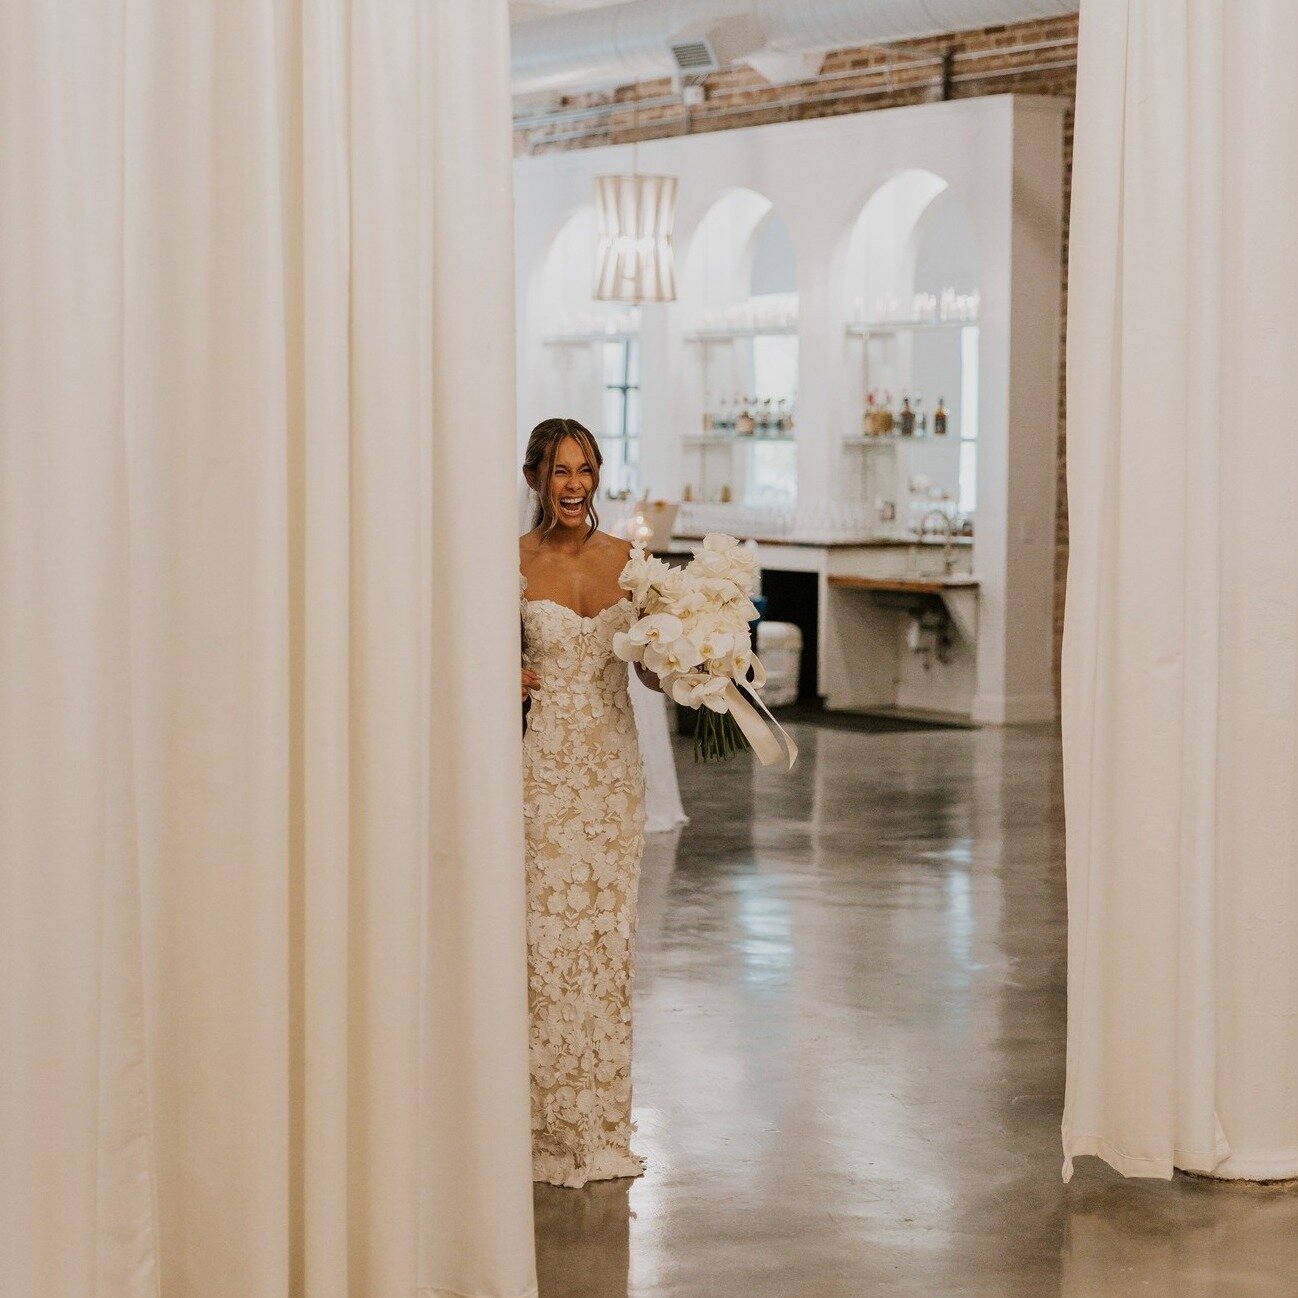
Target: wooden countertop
861,543
909,585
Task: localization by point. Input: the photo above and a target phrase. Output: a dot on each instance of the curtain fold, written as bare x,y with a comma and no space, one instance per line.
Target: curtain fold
263,977
1180,714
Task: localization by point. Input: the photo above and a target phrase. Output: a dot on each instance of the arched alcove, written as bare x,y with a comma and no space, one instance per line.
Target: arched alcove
593,369
909,299
739,296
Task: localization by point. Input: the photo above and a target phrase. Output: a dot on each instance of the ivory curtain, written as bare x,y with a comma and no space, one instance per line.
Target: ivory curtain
262,983
1180,674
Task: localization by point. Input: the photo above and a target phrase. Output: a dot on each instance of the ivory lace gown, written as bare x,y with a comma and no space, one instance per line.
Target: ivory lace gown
584,816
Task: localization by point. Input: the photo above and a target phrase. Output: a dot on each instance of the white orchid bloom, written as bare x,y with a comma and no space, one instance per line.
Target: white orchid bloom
698,689
657,629
628,650
678,656
716,644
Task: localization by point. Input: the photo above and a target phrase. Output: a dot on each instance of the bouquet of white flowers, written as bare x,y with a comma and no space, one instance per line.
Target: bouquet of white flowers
691,631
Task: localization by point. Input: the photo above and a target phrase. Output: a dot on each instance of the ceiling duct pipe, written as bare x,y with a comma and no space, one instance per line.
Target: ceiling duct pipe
644,40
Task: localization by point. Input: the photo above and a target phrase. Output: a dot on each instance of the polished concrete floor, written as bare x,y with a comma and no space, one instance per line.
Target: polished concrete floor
849,1054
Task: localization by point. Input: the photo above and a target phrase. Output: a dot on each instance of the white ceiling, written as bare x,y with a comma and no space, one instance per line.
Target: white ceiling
520,11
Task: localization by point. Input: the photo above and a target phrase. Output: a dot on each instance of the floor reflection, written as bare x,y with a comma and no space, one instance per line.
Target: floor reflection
583,1239
849,1054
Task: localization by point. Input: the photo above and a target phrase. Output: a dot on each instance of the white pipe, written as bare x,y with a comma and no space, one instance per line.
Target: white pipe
836,24
621,44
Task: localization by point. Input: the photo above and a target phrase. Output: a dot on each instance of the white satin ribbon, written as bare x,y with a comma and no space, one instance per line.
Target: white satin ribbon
767,747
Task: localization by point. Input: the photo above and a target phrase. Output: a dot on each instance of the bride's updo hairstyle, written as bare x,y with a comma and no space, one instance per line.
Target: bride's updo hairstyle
538,465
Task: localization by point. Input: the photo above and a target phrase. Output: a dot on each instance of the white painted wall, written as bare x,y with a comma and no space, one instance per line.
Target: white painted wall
1001,160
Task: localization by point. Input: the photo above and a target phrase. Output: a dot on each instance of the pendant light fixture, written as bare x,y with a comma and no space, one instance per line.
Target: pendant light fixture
635,215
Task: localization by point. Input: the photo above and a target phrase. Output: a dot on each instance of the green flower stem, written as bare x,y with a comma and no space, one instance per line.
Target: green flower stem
717,737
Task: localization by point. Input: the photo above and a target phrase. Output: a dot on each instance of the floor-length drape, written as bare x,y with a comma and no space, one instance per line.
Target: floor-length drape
1180,674
262,984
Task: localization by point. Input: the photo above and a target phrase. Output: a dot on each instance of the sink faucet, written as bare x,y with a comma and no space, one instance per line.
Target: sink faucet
948,530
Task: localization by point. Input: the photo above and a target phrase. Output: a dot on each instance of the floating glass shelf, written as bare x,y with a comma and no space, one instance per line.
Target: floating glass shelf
583,340
891,439
739,331
757,439
868,327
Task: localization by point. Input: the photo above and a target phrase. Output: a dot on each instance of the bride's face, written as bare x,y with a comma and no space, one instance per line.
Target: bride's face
572,484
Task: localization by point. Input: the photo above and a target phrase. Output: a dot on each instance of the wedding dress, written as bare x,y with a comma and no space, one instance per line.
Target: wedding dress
584,818
662,792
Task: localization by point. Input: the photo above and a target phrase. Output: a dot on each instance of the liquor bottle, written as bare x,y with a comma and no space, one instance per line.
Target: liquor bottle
709,421
744,421
687,494
870,420
921,417
907,418
725,493
765,424
887,421
723,420
785,417
939,419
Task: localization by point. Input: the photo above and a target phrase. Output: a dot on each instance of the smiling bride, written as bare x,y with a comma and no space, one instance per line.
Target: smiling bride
584,816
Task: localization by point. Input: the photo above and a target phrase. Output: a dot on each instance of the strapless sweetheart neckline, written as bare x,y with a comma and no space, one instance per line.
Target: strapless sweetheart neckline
594,617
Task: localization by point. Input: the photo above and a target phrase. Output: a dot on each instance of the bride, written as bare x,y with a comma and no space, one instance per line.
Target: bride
584,816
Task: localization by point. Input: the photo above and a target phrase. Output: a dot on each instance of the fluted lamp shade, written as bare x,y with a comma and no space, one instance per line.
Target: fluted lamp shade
635,261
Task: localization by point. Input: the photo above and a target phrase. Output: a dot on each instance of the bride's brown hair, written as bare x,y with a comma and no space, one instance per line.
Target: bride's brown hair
538,465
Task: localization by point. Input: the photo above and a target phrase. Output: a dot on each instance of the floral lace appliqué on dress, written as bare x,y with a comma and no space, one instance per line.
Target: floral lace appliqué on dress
584,816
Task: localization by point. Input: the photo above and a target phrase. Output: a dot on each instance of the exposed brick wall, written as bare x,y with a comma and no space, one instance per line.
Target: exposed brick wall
1037,58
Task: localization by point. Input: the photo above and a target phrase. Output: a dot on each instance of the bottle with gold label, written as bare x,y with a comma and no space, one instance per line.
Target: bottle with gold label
744,421
939,419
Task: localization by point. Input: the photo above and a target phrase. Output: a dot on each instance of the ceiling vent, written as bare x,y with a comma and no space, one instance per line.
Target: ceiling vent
712,44
694,57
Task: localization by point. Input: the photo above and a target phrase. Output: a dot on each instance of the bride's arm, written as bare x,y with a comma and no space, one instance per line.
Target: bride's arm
648,679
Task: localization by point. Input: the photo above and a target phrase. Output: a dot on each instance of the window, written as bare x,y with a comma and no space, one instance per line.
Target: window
620,436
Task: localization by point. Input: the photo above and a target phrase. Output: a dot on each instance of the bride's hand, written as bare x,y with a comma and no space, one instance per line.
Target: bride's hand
648,679
531,681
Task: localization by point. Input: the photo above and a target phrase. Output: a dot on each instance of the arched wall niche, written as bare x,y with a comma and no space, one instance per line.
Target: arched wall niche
912,239
739,274
587,375
879,269
716,269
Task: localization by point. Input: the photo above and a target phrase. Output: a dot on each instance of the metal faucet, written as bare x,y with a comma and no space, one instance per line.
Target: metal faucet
948,530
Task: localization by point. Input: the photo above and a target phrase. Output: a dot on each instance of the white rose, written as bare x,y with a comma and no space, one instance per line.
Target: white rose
743,570
640,574
711,563
719,541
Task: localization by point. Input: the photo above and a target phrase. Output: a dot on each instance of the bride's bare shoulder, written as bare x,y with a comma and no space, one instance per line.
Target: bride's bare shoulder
612,544
612,548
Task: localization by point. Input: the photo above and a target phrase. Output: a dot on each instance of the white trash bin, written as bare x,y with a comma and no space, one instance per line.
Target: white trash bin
779,646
